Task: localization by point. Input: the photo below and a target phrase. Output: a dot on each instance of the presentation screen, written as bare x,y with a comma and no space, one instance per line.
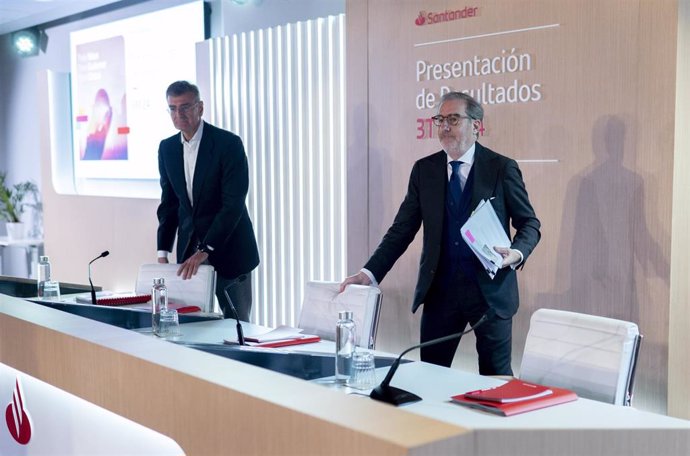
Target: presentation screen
120,71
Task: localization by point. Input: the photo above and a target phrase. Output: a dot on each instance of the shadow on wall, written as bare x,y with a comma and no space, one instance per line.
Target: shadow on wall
604,232
605,237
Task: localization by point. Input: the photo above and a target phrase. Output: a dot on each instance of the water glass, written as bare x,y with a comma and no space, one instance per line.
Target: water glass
363,373
169,325
51,290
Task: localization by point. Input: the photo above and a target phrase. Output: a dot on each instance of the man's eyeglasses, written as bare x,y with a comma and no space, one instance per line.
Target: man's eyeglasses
183,109
452,119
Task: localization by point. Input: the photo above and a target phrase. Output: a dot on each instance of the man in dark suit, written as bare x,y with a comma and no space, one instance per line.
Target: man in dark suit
443,190
204,182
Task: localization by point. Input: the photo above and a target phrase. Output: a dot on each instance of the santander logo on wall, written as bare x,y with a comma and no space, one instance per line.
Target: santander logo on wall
17,418
431,18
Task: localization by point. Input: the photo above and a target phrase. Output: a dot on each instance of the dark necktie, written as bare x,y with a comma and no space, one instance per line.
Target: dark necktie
454,183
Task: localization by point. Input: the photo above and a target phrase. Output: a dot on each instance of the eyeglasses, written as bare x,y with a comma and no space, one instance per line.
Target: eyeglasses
183,109
452,119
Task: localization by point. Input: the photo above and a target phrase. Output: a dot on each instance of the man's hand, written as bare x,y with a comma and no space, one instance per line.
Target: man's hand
510,256
163,260
191,266
358,279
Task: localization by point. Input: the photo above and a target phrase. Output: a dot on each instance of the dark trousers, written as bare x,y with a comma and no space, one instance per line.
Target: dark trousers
448,310
240,293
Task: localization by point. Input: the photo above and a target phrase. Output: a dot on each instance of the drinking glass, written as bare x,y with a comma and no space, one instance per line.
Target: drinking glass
169,323
363,373
51,290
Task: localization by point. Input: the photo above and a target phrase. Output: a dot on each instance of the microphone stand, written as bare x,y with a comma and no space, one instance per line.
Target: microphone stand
93,290
396,396
235,315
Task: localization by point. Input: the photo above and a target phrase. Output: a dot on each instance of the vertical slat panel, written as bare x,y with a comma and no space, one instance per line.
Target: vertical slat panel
282,90
300,239
291,259
342,147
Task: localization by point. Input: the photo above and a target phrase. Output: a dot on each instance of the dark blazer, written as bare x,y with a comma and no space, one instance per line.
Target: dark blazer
219,217
494,176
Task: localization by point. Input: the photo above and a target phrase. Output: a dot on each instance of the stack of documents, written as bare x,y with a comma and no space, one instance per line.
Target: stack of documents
482,232
278,337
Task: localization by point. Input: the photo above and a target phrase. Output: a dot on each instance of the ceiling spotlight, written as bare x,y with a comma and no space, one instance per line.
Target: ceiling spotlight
29,42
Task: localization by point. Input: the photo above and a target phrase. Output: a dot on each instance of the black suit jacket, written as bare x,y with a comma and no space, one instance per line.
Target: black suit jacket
219,216
494,176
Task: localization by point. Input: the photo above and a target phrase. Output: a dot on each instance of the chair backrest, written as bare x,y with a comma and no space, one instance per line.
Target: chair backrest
593,356
197,291
322,302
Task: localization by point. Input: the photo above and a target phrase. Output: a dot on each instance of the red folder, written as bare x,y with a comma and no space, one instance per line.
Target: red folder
286,342
557,396
182,309
513,391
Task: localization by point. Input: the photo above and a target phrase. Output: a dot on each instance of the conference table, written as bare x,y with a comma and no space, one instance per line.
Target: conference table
437,384
213,405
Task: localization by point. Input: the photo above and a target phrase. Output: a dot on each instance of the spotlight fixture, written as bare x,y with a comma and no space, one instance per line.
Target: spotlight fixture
29,42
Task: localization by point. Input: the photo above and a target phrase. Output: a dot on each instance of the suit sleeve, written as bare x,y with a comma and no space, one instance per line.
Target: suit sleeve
168,208
234,189
403,231
522,216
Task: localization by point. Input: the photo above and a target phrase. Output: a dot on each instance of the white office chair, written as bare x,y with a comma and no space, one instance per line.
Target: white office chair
593,356
197,291
321,305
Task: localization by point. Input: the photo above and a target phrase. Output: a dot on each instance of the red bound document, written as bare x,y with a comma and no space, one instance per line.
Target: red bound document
284,343
116,300
131,299
182,309
557,396
513,391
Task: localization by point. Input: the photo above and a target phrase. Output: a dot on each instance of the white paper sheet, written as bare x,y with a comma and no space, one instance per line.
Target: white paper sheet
482,232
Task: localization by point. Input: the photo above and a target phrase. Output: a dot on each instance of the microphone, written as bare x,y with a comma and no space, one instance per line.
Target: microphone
93,290
235,315
396,396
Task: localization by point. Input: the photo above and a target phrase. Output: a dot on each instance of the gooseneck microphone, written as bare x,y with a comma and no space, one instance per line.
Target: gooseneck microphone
235,315
93,290
396,396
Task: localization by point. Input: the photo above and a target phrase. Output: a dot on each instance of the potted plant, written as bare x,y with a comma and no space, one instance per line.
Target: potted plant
13,203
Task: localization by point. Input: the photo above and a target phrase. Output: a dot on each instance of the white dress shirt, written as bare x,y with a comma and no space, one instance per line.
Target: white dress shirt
190,152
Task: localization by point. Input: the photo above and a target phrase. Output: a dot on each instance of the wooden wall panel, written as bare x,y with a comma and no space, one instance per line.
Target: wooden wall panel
679,320
596,152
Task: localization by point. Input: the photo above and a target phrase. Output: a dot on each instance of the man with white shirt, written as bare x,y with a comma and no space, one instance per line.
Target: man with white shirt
204,181
443,190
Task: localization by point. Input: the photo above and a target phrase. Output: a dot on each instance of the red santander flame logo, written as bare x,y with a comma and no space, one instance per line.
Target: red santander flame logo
18,420
438,17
